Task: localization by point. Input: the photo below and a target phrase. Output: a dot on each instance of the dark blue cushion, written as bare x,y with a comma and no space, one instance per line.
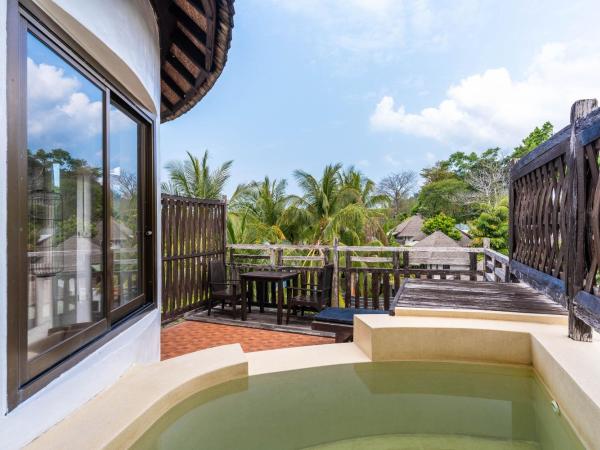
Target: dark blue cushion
344,315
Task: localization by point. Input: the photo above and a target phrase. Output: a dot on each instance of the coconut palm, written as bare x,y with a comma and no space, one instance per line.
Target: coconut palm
261,208
330,209
365,188
193,178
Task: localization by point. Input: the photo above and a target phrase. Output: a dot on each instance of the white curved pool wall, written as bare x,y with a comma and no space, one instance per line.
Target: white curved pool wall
569,369
122,35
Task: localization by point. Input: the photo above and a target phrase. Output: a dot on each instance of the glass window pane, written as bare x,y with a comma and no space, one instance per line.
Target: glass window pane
65,199
125,230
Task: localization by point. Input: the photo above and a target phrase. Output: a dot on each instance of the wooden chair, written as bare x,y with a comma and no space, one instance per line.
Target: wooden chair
226,291
315,297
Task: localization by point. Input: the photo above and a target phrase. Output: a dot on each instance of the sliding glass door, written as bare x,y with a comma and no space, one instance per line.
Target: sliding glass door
81,254
65,195
126,239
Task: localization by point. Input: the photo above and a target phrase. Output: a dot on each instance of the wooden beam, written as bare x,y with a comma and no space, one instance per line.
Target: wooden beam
587,308
166,102
547,284
166,78
183,43
198,6
182,70
188,22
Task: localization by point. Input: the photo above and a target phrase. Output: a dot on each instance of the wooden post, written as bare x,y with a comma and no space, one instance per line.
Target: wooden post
405,260
473,266
396,266
348,296
335,280
578,330
224,228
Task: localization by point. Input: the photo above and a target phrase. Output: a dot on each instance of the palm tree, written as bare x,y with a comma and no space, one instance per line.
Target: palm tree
328,208
261,208
193,178
364,188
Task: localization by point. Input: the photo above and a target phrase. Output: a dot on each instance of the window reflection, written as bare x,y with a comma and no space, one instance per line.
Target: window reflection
125,230
65,199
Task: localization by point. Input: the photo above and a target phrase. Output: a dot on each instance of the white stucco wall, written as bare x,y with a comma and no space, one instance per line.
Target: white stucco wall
121,35
138,344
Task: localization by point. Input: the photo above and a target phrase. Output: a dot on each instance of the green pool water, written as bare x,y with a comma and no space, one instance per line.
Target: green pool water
405,405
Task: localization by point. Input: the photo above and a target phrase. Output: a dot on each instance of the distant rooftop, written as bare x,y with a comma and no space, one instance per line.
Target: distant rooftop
440,240
410,228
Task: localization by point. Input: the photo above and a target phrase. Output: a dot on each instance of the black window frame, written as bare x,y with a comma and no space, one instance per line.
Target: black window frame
27,377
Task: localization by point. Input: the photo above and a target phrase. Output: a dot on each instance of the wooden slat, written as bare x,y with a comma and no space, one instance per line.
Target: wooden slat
508,297
192,234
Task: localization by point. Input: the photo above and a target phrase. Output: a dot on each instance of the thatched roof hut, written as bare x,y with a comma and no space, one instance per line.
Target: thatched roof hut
440,240
409,229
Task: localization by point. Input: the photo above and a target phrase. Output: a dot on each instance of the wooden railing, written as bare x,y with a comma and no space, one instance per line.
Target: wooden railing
496,267
554,242
193,233
364,277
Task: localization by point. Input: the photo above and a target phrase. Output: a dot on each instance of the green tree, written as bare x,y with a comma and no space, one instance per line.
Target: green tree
364,189
537,137
492,224
444,196
193,178
443,223
329,209
441,171
261,211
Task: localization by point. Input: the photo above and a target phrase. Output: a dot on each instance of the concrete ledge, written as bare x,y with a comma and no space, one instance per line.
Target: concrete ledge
281,360
569,369
116,418
551,319
119,416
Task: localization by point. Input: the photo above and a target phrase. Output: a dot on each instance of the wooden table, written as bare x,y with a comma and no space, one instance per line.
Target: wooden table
275,277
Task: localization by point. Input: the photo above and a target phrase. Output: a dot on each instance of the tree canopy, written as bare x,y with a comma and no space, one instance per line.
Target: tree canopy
193,178
443,223
536,137
342,203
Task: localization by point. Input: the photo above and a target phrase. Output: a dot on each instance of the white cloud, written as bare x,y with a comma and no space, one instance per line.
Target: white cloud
375,28
48,83
78,118
494,108
58,113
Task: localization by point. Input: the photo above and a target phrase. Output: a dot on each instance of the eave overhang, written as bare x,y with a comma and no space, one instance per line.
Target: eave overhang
195,36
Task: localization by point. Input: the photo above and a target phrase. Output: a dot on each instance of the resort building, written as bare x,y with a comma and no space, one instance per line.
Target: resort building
85,85
433,344
439,260
409,230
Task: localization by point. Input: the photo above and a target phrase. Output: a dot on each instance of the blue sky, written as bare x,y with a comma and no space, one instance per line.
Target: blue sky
387,85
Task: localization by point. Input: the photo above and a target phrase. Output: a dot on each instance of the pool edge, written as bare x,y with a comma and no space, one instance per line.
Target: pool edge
567,368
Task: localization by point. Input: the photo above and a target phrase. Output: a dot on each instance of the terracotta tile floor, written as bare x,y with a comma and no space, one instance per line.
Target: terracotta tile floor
189,336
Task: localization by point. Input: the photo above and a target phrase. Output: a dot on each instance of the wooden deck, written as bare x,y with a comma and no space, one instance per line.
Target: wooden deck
480,295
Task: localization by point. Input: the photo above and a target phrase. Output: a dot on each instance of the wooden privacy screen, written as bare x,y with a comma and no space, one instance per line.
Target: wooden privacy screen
555,218
193,233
